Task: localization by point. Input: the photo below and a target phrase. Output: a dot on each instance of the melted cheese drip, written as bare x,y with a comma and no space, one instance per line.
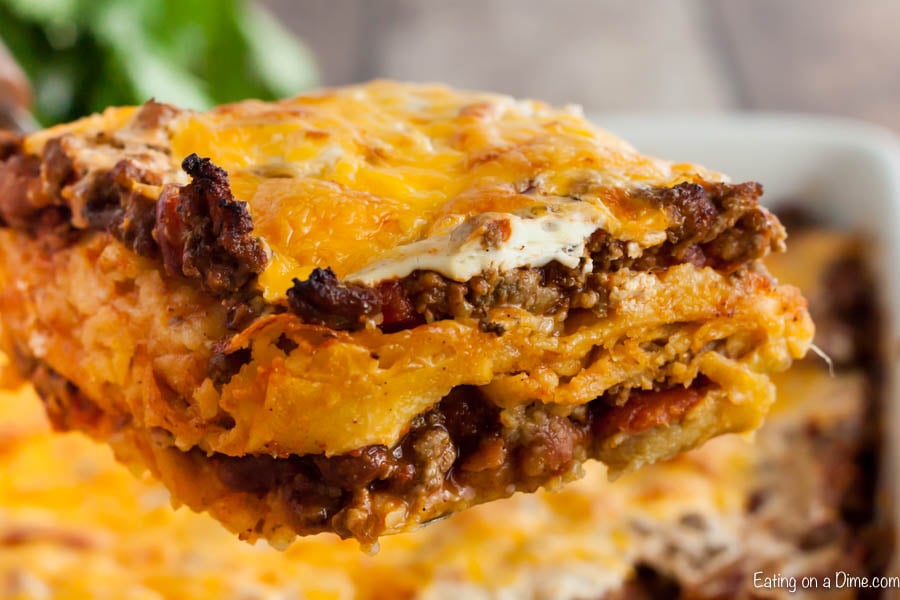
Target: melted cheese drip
366,179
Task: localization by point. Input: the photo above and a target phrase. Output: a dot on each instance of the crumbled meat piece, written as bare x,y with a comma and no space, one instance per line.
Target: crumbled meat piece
543,290
57,168
109,201
204,233
690,209
496,231
490,456
244,307
21,196
321,299
435,454
547,444
468,418
25,206
358,468
751,237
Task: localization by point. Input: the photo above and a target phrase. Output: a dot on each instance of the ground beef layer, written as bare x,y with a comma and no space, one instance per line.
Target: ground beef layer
463,452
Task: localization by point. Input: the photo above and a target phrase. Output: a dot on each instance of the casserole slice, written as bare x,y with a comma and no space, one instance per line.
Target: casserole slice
363,309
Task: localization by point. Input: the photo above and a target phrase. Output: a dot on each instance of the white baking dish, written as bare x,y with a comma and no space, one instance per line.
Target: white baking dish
846,172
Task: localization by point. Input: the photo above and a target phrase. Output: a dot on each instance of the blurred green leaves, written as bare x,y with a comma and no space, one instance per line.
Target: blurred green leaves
84,55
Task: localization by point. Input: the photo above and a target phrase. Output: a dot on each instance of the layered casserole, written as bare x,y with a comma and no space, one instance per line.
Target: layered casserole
362,309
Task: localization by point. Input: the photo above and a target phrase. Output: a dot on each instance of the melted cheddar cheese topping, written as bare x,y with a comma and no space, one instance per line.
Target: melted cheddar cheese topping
377,180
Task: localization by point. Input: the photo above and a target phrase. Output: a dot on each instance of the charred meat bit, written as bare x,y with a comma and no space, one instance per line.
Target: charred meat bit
323,300
204,233
691,210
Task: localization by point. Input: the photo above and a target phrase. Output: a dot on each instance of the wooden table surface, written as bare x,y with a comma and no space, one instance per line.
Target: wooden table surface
826,56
